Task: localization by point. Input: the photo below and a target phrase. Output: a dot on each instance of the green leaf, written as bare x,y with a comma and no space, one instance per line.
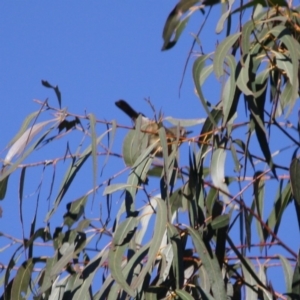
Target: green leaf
111,139
137,175
47,278
88,273
242,76
18,145
282,33
204,281
177,246
220,221
295,182
248,270
21,283
70,174
296,278
205,295
217,171
198,68
145,215
229,89
247,30
284,63
92,119
237,165
139,143
183,295
259,198
124,233
224,16
75,211
170,26
260,131
160,228
72,284
250,288
285,98
282,199
210,200
184,122
221,53
288,273
164,144
112,188
211,266
3,187
180,27
12,262
69,250
207,131
24,126
131,270
58,288
173,26
205,72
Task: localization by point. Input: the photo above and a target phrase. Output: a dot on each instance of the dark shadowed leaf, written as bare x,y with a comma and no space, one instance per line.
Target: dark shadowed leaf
295,182
75,211
3,187
207,131
173,26
46,84
211,266
296,279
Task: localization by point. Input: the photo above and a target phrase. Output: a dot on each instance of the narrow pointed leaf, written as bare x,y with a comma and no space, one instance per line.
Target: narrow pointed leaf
288,273
24,127
220,221
198,67
296,278
224,17
183,295
222,51
21,282
295,182
123,234
217,171
70,174
211,266
92,119
229,89
160,228
75,211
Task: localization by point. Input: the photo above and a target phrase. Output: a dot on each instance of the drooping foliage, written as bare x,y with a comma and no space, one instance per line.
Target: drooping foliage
212,228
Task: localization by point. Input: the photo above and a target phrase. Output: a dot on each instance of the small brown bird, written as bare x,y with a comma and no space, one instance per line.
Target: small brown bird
150,128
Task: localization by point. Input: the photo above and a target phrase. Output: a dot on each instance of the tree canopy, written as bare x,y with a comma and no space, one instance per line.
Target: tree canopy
199,215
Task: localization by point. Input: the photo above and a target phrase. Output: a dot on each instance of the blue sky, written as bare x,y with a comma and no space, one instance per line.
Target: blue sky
96,52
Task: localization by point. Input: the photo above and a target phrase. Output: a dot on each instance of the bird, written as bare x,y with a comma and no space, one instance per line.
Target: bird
150,129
